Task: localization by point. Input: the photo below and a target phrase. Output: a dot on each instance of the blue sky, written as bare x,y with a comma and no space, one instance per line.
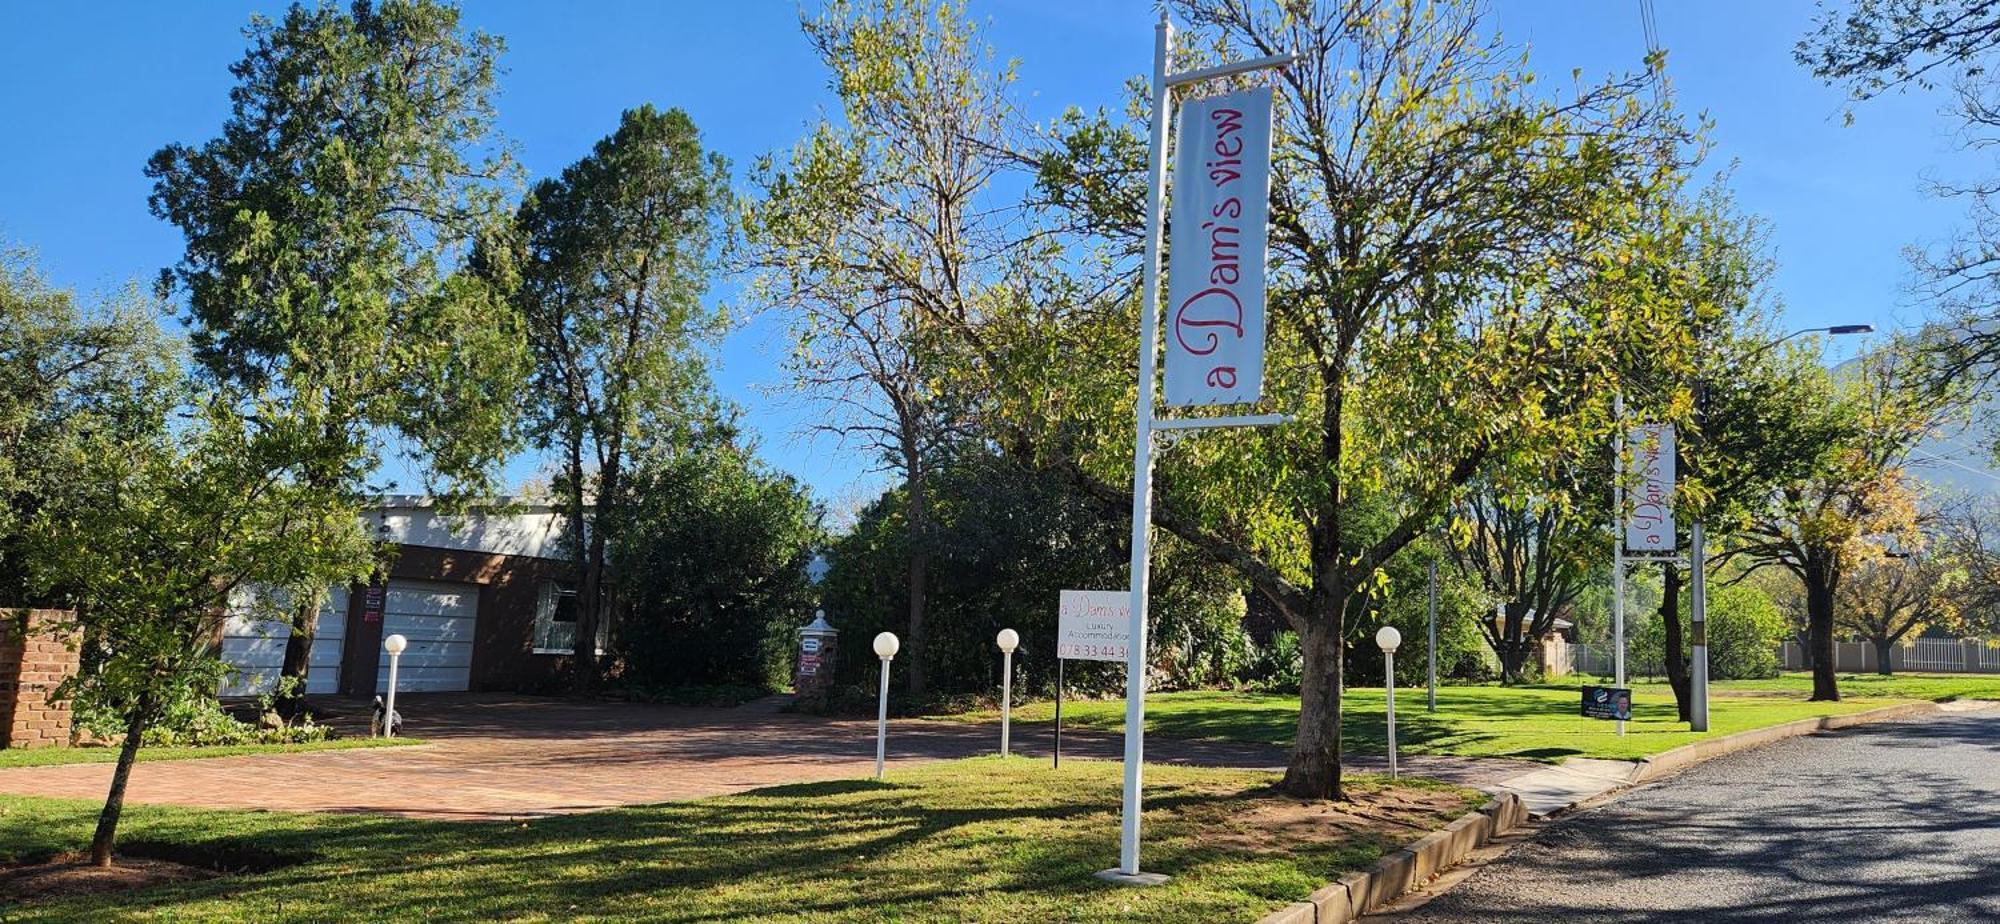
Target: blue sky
88,91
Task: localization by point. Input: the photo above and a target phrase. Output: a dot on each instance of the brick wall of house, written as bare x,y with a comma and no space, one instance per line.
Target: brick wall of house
32,663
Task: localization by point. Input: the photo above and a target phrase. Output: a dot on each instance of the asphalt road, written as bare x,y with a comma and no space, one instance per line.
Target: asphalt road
1898,821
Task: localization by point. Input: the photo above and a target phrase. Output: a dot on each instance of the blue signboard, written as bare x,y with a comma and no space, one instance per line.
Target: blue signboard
1607,703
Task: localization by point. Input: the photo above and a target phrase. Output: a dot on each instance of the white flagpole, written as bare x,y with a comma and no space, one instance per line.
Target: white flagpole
1618,545
1142,459
1144,427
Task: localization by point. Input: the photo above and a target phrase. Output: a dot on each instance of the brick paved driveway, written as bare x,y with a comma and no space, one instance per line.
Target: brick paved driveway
503,756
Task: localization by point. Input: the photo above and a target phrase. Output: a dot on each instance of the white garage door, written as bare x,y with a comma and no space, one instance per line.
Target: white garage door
438,619
254,649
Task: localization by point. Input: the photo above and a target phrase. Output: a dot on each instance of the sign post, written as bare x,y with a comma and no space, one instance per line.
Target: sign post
1216,353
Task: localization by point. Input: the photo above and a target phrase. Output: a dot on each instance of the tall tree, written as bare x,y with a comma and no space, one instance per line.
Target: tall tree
616,258
323,229
1458,262
178,528
876,232
1852,504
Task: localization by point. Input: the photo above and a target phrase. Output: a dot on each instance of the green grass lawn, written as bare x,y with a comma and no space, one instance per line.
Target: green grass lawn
1934,687
42,757
987,839
1530,723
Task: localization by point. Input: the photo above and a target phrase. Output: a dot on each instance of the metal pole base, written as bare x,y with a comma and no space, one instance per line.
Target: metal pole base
1121,877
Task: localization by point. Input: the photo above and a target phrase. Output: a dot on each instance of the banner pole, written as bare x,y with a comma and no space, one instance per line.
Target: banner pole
1142,460
1618,544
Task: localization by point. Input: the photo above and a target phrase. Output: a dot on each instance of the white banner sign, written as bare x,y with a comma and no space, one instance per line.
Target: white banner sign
1094,625
1215,279
1649,505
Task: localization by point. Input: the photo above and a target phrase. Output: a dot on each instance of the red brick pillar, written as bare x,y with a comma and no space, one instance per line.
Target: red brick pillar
32,664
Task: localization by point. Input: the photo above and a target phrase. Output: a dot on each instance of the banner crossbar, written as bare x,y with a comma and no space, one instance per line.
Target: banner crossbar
1203,423
1227,70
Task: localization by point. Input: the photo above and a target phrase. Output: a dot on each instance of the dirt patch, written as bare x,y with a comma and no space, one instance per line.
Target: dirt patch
73,875
1276,824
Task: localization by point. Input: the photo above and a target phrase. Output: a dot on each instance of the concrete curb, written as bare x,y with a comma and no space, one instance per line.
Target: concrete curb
1406,869
1688,755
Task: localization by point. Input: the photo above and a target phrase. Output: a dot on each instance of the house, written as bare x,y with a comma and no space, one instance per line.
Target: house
484,599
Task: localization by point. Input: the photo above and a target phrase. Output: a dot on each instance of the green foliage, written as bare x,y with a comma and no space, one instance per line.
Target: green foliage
70,375
614,257
323,229
1744,631
711,559
196,721
1006,542
168,534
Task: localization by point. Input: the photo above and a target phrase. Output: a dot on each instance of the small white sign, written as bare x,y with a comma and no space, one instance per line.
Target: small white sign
1094,625
1649,507
1215,279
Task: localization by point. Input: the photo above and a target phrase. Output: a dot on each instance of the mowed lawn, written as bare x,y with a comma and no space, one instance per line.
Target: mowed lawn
42,757
1532,722
986,839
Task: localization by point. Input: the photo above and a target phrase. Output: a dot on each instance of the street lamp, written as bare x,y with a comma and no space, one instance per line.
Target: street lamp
1388,638
1698,549
394,645
1008,640
886,646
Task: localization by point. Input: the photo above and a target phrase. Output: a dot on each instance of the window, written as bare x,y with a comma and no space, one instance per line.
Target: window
555,620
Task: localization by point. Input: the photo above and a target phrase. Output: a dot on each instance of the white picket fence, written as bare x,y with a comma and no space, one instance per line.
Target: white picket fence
1934,655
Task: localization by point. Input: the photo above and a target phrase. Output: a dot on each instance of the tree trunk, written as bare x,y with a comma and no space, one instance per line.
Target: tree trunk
1513,653
920,560
114,804
1670,654
1819,583
290,701
1882,648
1314,769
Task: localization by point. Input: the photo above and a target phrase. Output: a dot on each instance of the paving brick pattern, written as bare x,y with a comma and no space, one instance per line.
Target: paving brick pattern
491,757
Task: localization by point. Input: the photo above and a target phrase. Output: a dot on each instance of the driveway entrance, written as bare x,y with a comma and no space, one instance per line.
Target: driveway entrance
505,756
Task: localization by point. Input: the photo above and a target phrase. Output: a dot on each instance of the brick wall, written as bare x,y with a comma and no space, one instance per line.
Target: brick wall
31,665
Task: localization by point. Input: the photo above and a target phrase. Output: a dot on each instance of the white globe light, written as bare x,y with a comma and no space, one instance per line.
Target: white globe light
395,644
1008,640
886,645
1388,638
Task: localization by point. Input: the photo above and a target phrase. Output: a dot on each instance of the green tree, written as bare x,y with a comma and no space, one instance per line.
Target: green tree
876,234
1459,263
616,256
1008,540
324,227
711,560
1902,591
1853,503
1533,554
170,533
68,372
